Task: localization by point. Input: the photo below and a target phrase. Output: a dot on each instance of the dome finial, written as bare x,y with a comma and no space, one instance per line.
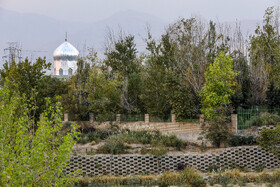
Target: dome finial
66,37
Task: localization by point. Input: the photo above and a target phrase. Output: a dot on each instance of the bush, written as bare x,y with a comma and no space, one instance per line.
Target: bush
96,136
113,146
270,141
168,179
158,152
154,138
170,141
266,119
237,140
117,181
191,177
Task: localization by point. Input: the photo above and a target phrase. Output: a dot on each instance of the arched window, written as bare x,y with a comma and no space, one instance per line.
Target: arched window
54,71
60,71
70,71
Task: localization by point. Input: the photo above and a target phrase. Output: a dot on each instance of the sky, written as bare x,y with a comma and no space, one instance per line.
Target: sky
169,10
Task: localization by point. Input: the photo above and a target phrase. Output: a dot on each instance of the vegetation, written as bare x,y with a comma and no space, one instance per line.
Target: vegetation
117,141
266,119
187,177
269,140
194,67
215,96
236,177
33,153
236,140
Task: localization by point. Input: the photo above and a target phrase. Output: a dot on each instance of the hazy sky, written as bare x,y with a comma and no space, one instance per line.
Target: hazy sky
93,10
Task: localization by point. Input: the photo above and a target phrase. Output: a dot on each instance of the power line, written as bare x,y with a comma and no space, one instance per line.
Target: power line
13,52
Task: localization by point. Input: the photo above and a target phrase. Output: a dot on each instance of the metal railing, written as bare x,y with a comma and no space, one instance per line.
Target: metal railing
245,117
132,117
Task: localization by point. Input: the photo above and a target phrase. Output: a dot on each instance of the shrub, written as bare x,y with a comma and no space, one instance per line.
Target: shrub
158,152
113,146
266,119
96,136
269,140
154,138
170,141
168,179
191,177
237,140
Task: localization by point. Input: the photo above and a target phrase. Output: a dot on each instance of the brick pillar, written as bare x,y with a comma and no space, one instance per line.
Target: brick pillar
234,123
147,118
91,117
118,118
173,118
65,116
201,118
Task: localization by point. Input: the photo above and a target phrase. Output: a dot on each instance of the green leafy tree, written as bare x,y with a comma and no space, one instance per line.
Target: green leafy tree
265,57
121,56
32,157
156,92
104,92
216,98
28,79
75,101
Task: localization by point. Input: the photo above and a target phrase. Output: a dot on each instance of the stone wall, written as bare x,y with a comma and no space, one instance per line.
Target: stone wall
250,158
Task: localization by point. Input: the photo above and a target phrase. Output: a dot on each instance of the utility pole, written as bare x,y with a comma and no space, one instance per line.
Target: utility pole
13,52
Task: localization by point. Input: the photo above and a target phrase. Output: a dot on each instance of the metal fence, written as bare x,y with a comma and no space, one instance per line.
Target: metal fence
245,117
188,118
78,117
105,117
132,117
160,118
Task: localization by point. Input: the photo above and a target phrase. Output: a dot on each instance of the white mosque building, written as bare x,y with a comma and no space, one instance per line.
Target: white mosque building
65,60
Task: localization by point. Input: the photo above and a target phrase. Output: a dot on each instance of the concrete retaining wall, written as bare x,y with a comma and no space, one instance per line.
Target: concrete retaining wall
250,158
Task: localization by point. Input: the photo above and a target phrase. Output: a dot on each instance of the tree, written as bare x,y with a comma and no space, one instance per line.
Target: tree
32,157
265,57
104,92
216,98
75,101
28,79
121,56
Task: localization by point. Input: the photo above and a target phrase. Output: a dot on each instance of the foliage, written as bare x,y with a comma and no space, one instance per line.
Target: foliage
152,137
31,157
117,141
121,56
92,89
29,79
189,176
97,136
75,101
216,98
269,140
114,145
266,119
273,96
182,179
103,92
236,140
142,180
264,56
237,177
